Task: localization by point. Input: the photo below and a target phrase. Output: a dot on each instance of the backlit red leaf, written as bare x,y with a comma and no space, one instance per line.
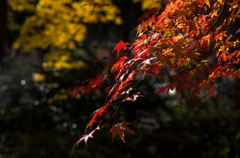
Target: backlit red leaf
86,137
133,97
119,46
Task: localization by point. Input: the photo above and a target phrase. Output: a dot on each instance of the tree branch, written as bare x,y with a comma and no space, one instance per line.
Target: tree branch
212,25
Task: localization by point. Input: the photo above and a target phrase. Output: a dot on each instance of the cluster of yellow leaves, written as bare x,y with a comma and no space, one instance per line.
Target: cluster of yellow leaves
61,60
148,4
60,22
103,12
21,5
56,61
59,96
11,24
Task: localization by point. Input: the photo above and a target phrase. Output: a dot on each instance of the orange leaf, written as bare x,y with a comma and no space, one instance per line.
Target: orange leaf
220,35
236,74
119,129
207,2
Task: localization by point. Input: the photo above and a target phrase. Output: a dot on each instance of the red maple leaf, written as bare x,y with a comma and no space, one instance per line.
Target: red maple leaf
119,46
127,91
75,92
155,68
161,90
130,76
211,91
133,97
108,90
97,81
86,137
119,65
193,92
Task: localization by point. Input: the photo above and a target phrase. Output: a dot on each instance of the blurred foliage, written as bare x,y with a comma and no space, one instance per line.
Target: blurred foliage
60,22
38,117
147,4
61,60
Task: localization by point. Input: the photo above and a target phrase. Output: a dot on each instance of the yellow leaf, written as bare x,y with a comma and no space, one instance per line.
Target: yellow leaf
207,2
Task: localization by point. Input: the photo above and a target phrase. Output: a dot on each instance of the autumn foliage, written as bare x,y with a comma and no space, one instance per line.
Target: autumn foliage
175,44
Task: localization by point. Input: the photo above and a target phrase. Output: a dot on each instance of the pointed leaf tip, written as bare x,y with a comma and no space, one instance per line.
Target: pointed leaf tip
119,46
208,3
86,137
119,129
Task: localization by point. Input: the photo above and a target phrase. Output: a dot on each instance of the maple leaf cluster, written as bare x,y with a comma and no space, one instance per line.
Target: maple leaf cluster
172,39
